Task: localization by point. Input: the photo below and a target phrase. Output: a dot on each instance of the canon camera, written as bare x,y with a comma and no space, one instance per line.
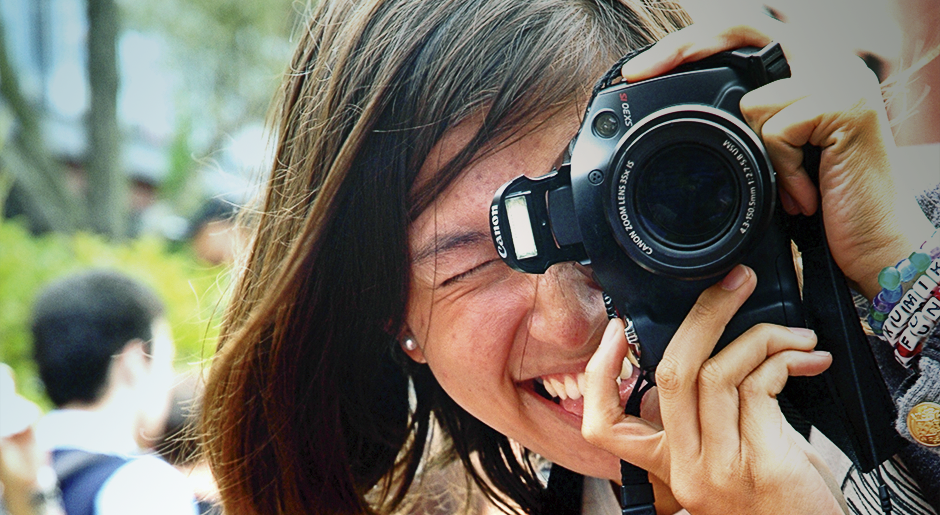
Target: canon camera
664,189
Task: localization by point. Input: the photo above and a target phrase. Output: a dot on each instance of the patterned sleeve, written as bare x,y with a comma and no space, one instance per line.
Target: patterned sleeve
913,476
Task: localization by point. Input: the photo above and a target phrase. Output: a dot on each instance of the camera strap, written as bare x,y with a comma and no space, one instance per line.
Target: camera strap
636,491
849,403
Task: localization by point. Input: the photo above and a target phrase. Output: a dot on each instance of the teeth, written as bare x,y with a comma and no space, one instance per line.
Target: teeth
560,388
627,369
555,387
571,386
631,355
549,387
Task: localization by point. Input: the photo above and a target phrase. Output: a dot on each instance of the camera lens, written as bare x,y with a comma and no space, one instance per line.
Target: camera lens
606,124
687,195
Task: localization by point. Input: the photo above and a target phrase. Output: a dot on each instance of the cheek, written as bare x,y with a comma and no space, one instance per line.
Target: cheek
469,341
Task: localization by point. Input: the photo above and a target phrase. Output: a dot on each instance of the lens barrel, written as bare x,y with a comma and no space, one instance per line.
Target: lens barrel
691,190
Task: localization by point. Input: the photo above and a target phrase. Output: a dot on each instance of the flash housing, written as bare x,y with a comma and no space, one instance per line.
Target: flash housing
532,222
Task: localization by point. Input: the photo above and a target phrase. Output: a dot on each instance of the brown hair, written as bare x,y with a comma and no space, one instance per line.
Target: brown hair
307,406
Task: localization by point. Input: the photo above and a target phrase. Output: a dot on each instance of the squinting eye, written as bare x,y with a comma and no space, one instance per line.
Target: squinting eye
461,276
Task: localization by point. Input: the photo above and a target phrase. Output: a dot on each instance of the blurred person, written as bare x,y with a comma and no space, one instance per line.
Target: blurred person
917,105
104,352
27,483
213,233
899,40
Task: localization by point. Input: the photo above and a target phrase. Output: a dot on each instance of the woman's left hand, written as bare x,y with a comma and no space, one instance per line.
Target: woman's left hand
834,102
723,445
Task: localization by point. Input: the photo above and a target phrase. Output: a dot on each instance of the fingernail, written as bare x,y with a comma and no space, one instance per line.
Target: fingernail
802,332
821,353
807,209
613,327
735,278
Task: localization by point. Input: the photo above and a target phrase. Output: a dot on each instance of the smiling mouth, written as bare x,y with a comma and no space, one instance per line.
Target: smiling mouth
566,390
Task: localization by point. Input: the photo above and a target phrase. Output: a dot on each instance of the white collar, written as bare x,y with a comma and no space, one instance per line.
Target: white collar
85,430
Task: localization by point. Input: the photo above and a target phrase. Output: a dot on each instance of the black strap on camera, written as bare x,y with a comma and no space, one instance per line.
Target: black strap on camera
848,403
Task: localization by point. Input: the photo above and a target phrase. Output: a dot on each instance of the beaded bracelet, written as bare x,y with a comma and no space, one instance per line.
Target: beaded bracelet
903,287
908,306
918,327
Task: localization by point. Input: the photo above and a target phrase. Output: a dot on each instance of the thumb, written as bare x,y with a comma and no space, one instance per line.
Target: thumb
604,423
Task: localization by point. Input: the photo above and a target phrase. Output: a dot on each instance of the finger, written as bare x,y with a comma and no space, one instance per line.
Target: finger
697,41
784,135
601,393
677,373
604,423
761,105
791,113
724,372
760,413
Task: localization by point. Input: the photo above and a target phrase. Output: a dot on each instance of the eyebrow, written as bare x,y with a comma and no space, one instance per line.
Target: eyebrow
448,243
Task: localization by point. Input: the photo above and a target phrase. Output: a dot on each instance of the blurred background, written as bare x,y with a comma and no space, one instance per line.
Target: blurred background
130,133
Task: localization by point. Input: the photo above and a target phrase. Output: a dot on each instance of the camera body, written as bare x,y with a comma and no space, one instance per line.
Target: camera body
663,191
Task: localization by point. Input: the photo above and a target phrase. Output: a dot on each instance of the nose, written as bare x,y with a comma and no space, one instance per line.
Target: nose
567,307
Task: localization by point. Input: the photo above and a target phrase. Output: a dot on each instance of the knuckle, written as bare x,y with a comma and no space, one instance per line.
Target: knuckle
750,387
711,374
669,378
689,496
762,332
593,433
704,309
767,381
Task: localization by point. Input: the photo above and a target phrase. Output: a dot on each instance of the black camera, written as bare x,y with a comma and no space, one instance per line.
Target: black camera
664,189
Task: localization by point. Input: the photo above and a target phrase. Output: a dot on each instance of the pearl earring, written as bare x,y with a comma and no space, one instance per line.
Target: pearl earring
409,343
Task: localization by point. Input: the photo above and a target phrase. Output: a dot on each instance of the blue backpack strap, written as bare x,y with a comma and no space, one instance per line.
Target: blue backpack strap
81,475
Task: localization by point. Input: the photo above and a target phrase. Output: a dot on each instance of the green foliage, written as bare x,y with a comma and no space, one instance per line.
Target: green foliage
192,291
231,55
181,187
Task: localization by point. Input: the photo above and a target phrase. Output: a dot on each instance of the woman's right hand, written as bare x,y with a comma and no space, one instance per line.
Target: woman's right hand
724,445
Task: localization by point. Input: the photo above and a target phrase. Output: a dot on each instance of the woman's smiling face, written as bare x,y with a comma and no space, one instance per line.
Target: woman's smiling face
490,334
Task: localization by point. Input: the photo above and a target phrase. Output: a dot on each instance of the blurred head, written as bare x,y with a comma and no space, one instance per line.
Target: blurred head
86,325
213,233
396,118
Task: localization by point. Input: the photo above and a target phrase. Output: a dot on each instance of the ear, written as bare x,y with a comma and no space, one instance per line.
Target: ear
411,347
131,363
